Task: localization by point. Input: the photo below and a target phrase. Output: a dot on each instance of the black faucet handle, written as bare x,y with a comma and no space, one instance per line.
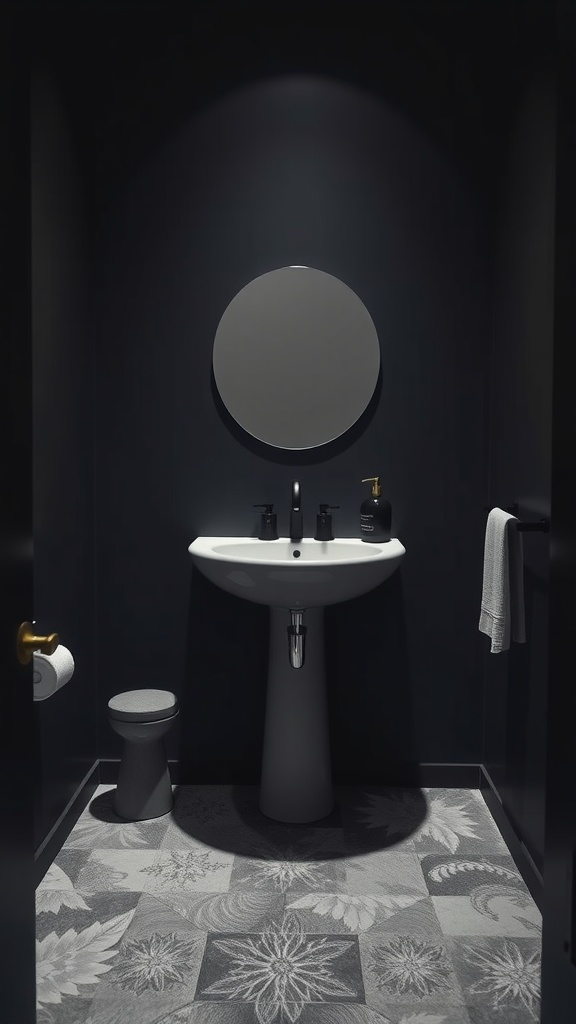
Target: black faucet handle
267,508
324,508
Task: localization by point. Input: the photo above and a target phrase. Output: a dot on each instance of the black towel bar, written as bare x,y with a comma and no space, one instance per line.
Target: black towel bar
539,526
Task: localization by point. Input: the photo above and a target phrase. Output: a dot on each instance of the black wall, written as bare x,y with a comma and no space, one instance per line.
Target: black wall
17,781
216,148
63,454
559,911
521,450
354,179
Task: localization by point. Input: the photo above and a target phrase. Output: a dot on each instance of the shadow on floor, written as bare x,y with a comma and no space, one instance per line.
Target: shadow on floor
228,818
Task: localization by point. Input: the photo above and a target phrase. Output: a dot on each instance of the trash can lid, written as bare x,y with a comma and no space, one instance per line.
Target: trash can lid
143,705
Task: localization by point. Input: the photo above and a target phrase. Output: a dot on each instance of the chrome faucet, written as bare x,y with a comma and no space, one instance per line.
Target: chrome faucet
296,517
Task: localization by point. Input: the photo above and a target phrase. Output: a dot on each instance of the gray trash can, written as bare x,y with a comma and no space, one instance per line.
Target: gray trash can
142,718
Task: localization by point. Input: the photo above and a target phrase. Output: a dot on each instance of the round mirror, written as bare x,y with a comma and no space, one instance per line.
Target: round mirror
296,357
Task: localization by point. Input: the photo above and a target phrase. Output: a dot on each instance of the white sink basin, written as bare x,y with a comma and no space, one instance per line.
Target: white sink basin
295,574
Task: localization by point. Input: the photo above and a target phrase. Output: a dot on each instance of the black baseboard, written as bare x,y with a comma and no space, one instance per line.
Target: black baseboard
513,839
110,767
449,776
58,834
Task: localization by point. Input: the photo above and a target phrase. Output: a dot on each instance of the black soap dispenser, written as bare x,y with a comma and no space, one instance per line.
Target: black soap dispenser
324,523
375,514
268,529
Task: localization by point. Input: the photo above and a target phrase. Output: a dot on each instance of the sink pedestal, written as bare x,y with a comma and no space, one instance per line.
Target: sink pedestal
296,784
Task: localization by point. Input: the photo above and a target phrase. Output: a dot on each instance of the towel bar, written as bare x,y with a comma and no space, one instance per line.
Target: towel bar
540,525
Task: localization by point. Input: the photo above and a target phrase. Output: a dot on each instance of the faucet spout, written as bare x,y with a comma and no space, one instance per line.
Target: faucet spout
296,517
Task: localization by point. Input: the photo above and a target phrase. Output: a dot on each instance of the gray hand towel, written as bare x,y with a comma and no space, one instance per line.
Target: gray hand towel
502,608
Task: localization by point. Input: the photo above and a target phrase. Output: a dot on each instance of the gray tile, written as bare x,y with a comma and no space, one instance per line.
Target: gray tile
198,869
414,1014
290,873
392,814
343,914
460,876
385,872
340,1013
72,1010
404,970
256,842
71,960
106,1012
282,965
111,1006
216,805
100,827
435,820
107,870
218,1013
358,842
210,912
158,962
57,890
499,977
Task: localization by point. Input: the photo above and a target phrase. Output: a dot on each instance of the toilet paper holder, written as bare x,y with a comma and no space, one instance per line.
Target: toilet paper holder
27,642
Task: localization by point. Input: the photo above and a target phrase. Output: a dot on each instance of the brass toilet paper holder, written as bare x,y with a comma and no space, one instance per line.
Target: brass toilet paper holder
27,642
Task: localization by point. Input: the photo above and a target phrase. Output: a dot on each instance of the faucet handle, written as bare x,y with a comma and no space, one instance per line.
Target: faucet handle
267,508
324,508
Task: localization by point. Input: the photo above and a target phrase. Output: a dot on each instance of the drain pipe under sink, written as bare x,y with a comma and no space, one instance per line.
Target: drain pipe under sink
296,638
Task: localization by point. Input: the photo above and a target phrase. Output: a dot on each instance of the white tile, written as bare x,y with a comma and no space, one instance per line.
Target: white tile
499,916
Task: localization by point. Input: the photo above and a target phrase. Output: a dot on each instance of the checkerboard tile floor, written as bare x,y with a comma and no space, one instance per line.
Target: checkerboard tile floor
402,907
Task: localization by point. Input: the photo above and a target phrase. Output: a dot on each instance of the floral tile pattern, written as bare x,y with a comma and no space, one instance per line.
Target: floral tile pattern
404,969
403,906
500,979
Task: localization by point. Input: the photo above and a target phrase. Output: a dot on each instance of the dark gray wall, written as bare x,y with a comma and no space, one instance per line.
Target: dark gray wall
309,171
65,739
520,453
559,910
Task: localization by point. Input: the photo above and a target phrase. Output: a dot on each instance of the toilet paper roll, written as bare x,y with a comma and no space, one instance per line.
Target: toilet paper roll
52,672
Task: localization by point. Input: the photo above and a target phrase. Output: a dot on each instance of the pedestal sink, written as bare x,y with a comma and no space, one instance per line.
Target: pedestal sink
290,577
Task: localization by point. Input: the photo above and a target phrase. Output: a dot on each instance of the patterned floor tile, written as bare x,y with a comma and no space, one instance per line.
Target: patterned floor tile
281,968
290,875
403,970
490,910
113,869
234,1012
499,977
153,972
359,842
339,1013
436,820
344,914
99,826
366,814
208,806
415,1015
191,870
384,872
211,912
460,876
256,842
401,907
75,949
